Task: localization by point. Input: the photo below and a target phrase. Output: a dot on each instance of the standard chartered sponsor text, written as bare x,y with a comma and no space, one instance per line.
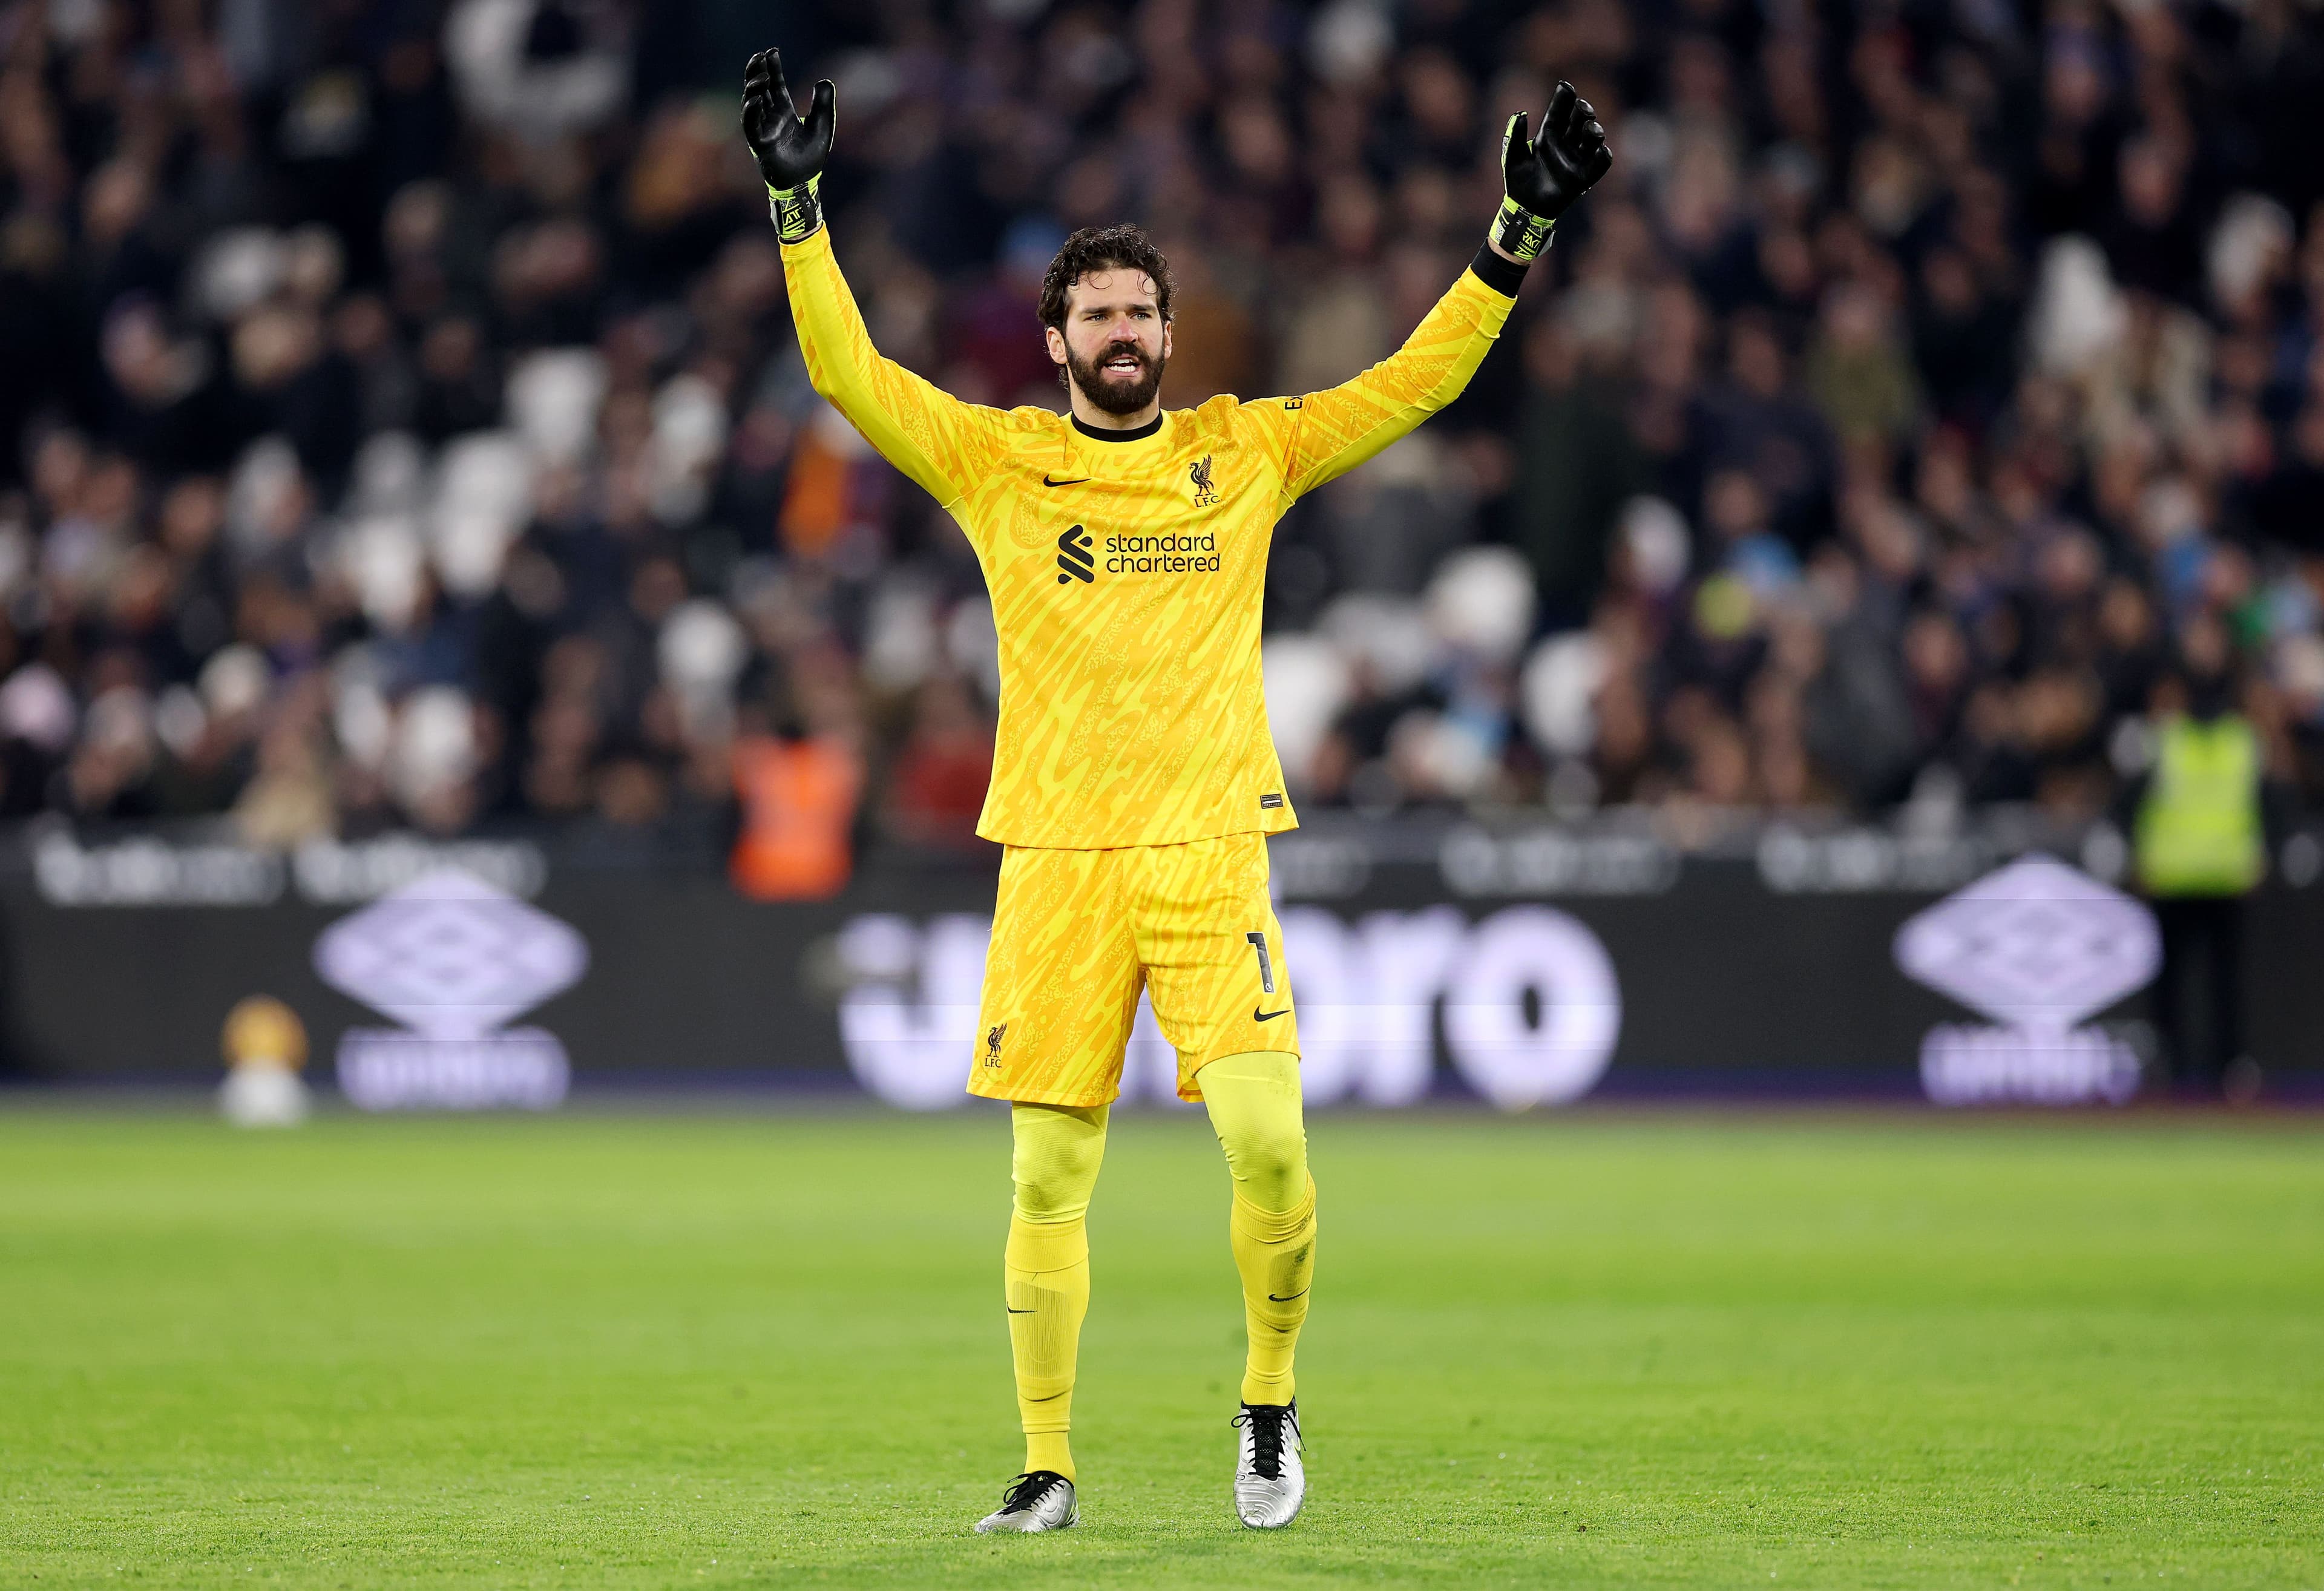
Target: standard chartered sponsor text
1171,553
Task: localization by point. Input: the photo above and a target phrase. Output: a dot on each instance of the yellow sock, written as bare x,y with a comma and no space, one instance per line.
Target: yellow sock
1255,1107
1276,1253
1046,1271
1048,1290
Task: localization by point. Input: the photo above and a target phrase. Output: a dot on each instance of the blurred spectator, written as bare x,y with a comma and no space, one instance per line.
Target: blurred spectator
1578,466
798,801
936,789
2201,822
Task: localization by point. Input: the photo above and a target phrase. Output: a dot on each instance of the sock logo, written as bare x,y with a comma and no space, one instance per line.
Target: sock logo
993,1046
1200,473
1075,556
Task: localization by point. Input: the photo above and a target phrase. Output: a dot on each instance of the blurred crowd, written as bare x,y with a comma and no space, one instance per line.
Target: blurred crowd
404,426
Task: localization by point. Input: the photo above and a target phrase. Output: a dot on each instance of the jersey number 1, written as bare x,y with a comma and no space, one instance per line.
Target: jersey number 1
1266,967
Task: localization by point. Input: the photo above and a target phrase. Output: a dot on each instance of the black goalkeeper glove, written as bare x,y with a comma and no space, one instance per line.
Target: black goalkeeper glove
790,153
1541,176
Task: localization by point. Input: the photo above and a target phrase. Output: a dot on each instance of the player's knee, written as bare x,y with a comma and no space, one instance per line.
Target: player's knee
1056,1192
1055,1169
1271,1164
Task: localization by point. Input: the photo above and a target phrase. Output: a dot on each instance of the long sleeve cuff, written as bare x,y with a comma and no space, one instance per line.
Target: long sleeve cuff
1505,277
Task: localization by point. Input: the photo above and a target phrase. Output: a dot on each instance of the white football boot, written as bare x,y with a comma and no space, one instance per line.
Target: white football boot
1040,1501
1270,1480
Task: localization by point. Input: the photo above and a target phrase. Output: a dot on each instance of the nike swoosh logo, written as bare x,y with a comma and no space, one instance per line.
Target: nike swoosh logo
1271,1297
1076,481
1258,1016
1017,1311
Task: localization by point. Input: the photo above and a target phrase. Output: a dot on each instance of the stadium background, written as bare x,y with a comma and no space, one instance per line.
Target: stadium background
431,596
406,459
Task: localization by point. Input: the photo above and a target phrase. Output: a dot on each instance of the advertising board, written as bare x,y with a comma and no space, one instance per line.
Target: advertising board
1520,971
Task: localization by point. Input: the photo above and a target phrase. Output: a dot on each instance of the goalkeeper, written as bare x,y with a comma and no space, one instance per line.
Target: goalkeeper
1134,781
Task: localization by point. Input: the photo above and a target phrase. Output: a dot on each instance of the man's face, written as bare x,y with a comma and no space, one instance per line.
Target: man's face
1115,342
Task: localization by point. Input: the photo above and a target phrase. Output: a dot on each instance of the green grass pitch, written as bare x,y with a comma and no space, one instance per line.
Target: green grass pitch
768,1350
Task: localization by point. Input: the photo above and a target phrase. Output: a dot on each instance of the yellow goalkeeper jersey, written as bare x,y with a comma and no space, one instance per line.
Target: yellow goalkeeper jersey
1127,574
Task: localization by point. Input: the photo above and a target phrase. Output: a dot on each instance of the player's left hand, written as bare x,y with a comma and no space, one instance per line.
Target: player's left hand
790,150
1542,176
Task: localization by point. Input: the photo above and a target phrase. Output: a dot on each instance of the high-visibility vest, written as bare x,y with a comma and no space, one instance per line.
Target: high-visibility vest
2198,829
798,804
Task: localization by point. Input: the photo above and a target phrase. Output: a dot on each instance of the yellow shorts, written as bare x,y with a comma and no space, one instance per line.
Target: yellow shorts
1077,933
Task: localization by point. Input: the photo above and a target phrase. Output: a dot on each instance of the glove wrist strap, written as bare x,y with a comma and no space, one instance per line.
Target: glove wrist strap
798,212
1521,231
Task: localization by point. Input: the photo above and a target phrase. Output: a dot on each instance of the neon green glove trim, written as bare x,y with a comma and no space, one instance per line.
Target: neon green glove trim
797,212
1521,231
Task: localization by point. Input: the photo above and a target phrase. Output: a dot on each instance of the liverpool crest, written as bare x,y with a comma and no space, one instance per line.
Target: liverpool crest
1200,473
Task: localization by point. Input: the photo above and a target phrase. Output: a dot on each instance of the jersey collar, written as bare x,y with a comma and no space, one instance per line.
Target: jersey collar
1140,435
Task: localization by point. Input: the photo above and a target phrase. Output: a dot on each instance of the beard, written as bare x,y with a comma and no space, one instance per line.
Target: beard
1111,394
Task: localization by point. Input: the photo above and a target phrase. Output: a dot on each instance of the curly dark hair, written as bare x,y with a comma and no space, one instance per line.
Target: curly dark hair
1103,248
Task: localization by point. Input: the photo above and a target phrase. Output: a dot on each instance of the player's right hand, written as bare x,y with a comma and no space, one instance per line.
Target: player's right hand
790,152
1544,175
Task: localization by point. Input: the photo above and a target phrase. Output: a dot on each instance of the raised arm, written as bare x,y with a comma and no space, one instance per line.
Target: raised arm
1327,434
939,441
